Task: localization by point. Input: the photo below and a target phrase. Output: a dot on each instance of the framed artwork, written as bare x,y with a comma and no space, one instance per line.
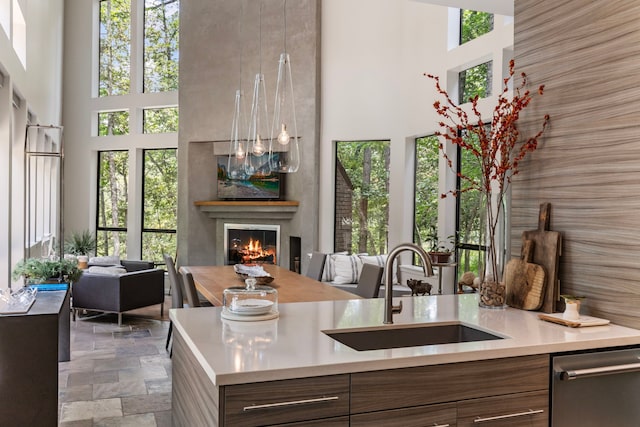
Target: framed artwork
260,186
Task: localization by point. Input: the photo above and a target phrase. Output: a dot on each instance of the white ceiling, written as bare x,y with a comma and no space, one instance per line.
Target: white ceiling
499,7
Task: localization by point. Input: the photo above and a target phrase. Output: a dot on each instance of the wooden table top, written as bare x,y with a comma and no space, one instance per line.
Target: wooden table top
211,281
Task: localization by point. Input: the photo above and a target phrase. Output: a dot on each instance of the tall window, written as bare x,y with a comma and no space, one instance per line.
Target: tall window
425,211
475,81
473,24
161,25
115,47
471,222
113,187
153,77
362,196
160,189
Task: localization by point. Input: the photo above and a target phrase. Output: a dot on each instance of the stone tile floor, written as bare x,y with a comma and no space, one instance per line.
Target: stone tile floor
117,376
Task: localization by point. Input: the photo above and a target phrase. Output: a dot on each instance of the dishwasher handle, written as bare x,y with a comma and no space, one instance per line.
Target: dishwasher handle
600,370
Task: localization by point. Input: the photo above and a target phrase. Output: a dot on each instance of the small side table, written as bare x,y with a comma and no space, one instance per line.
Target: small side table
440,266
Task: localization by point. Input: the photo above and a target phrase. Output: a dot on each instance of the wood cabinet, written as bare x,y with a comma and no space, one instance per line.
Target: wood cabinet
429,415
285,401
496,392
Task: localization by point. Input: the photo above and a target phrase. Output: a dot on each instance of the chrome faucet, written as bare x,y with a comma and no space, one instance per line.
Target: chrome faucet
389,308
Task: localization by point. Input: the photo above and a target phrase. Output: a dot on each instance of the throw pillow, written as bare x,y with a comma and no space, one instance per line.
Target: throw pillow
104,260
329,273
347,269
107,271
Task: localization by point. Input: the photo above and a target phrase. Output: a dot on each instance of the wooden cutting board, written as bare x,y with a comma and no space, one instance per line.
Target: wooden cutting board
546,252
525,281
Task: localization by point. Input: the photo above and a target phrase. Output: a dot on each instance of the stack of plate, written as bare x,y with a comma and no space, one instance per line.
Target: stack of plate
251,307
250,304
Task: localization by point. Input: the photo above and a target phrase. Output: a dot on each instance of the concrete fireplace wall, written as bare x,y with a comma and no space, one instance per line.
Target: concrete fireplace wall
220,49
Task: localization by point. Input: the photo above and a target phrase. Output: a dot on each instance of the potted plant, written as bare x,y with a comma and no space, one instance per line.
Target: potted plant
81,244
39,270
440,250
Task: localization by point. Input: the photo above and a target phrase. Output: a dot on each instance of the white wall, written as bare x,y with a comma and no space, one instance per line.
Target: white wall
37,90
374,54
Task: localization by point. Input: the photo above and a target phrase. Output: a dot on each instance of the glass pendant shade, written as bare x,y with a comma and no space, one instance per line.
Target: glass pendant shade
284,154
237,149
257,158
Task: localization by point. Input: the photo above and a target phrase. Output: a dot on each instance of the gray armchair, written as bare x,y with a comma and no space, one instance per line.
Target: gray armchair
142,285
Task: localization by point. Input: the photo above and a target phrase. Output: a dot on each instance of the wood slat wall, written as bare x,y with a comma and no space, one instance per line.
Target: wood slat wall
587,53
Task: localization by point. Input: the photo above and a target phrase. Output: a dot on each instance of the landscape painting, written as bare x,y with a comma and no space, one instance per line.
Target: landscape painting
262,185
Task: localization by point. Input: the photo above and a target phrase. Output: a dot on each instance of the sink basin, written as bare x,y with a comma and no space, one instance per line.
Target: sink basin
409,336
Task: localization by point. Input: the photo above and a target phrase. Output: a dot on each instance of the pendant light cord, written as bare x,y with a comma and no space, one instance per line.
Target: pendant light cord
260,38
241,44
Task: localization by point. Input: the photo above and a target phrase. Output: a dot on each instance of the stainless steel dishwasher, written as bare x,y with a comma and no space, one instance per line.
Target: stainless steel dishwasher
600,388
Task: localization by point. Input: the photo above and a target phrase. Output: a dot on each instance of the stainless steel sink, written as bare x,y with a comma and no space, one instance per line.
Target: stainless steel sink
409,336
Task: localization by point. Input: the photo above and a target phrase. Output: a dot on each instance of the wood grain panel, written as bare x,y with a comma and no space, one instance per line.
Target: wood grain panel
587,53
401,388
431,415
511,407
195,400
286,401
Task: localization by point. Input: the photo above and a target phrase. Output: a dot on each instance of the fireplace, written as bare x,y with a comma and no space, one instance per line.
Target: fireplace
251,244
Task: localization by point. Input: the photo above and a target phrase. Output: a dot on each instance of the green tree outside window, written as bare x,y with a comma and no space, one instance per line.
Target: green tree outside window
113,189
366,164
426,189
474,24
160,188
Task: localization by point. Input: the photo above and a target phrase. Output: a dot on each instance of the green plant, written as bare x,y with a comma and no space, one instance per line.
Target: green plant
37,270
437,245
80,243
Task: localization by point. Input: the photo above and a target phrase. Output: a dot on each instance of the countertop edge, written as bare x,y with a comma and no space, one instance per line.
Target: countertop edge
527,336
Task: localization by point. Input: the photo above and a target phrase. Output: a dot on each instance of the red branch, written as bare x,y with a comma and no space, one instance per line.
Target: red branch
496,144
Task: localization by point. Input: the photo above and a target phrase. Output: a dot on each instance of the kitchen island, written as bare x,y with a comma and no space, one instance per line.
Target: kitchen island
217,362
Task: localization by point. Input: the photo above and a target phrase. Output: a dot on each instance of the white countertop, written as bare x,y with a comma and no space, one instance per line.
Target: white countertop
293,345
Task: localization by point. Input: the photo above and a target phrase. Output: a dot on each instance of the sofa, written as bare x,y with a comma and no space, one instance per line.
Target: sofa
342,270
116,288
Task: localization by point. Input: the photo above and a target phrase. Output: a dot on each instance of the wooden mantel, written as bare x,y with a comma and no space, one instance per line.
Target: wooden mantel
249,209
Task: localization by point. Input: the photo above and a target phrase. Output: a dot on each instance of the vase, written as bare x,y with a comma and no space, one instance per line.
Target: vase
492,289
492,294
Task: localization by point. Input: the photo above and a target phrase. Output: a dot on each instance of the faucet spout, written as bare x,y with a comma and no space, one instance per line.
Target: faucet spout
389,308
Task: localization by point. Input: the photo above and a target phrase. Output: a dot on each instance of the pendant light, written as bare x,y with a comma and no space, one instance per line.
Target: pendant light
284,154
237,149
257,158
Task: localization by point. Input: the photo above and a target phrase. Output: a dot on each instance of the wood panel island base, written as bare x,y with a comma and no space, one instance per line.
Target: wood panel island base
288,372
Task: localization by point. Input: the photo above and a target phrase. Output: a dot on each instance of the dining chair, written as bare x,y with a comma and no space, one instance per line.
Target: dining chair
369,281
193,298
316,266
175,281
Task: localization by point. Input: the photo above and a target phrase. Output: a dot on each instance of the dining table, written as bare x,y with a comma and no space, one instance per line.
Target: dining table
212,280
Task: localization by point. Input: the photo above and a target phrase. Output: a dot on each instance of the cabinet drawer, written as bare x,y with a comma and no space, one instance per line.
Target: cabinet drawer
286,401
398,388
430,415
325,422
522,409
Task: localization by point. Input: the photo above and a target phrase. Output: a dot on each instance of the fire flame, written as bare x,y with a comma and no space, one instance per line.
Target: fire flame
254,251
